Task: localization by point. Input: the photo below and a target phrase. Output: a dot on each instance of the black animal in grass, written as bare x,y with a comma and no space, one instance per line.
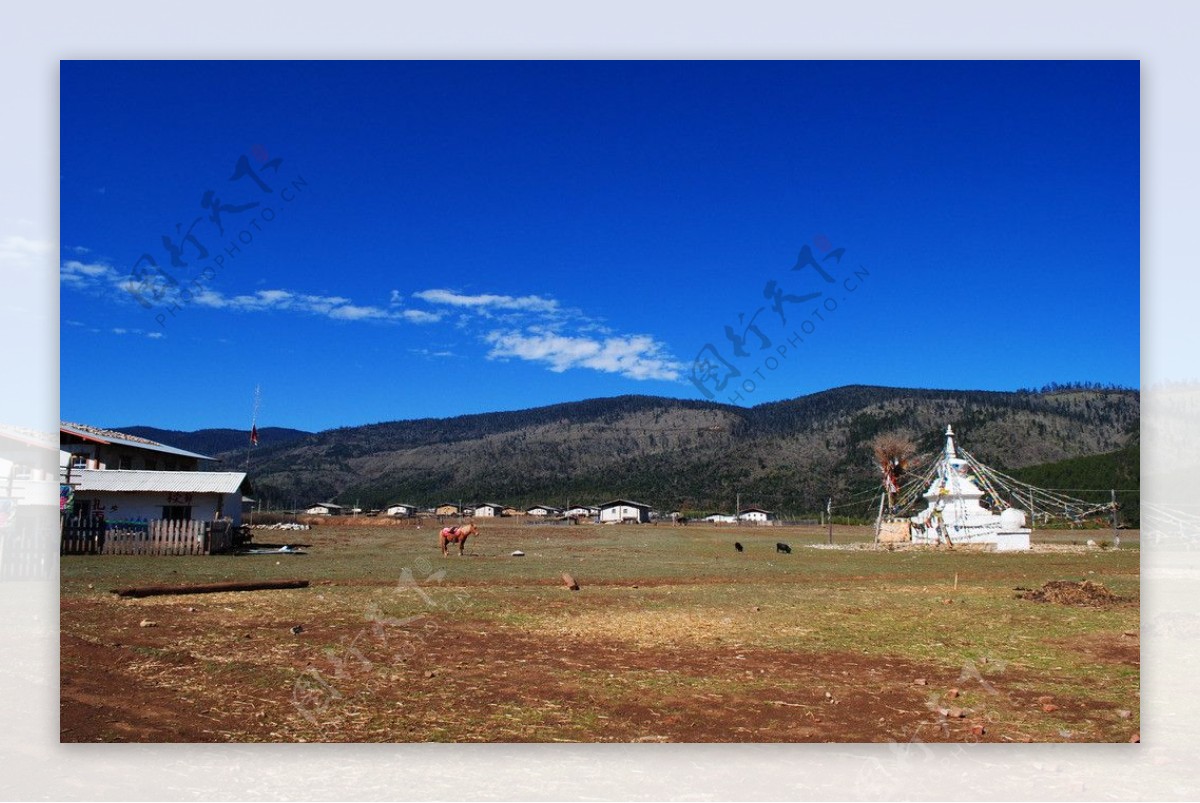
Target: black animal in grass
737,545
782,547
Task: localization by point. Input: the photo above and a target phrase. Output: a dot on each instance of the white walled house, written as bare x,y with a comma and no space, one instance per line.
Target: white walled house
619,510
581,510
325,509
543,510
96,448
721,518
489,509
401,509
129,478
755,515
150,495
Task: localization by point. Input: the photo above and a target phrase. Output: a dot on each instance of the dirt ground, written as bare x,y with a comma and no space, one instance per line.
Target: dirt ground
446,679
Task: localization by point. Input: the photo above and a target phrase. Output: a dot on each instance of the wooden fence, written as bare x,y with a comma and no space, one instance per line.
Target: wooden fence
158,537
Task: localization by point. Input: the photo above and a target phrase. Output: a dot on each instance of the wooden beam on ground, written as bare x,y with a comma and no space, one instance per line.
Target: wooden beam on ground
209,588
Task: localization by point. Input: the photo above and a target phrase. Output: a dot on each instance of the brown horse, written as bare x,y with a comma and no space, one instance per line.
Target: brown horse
456,535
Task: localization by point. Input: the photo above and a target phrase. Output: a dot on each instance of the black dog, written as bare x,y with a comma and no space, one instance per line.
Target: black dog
738,546
781,547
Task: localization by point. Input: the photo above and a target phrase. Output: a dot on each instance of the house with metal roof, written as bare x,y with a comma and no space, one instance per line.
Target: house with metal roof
93,447
622,510
126,478
756,515
325,509
139,495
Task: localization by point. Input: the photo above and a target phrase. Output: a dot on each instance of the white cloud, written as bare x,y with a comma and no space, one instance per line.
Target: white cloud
23,252
85,275
489,301
420,316
631,356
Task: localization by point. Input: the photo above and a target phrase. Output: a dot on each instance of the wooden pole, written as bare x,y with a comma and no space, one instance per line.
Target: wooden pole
1116,532
209,588
879,516
829,516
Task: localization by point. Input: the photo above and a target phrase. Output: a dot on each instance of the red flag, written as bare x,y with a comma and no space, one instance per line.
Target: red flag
254,435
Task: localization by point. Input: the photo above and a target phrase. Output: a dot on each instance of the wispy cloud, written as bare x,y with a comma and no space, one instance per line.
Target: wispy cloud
631,356
100,276
487,302
19,251
539,329
84,275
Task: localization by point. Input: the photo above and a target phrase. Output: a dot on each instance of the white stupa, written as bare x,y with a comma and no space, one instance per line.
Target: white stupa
954,511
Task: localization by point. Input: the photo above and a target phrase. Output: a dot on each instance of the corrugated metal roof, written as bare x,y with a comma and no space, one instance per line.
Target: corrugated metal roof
222,482
111,436
628,502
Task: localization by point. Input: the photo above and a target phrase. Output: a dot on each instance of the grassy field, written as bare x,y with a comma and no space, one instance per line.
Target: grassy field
673,636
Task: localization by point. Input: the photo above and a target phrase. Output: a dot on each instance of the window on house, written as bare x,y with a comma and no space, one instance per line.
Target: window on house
177,512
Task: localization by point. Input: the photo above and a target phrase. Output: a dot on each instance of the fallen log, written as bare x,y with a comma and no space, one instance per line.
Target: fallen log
209,588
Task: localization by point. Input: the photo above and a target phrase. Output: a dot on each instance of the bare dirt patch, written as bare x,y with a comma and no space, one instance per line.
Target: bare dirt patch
1066,592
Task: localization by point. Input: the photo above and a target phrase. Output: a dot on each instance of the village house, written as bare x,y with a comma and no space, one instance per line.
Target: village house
325,509
124,477
543,510
448,509
489,509
622,510
582,511
400,509
755,515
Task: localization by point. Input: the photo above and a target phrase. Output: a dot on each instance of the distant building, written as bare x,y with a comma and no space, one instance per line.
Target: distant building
722,518
489,509
543,510
512,511
325,509
447,509
624,510
400,509
581,511
755,515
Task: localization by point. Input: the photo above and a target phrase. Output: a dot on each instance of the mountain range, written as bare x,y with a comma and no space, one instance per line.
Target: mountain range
689,455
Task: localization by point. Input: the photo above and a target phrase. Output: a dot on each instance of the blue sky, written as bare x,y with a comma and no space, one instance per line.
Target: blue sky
410,239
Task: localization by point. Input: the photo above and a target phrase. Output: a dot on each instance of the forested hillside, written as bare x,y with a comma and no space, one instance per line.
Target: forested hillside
678,454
